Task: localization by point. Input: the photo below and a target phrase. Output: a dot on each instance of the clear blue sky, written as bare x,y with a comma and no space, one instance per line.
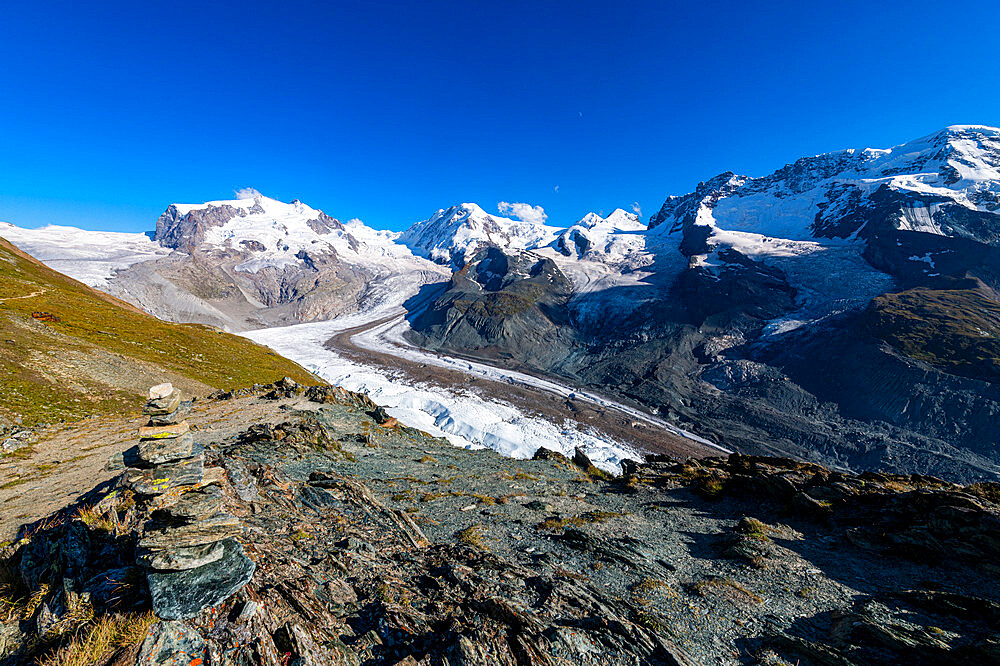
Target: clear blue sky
389,111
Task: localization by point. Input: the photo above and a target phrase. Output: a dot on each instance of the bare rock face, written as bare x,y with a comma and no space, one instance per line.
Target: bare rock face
185,231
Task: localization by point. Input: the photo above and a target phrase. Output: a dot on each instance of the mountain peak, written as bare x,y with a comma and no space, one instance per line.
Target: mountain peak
453,234
825,195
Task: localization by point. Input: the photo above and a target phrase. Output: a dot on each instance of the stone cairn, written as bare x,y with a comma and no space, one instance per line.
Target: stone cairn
187,546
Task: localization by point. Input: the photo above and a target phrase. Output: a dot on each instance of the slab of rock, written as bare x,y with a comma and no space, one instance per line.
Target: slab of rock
178,595
193,506
161,478
164,431
212,476
171,643
155,451
240,481
179,414
11,639
214,528
160,391
164,405
178,559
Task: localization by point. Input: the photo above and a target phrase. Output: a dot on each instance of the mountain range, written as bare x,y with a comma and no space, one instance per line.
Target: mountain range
843,309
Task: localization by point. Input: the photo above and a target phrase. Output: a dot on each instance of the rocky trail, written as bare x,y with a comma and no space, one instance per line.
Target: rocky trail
376,544
33,294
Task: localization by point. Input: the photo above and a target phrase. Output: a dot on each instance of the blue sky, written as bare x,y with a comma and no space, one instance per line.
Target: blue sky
389,111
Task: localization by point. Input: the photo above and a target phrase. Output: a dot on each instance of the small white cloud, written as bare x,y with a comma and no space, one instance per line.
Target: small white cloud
524,212
636,208
555,189
247,193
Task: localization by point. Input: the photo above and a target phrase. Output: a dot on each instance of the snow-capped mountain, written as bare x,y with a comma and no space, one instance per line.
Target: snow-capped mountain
239,264
277,235
846,226
842,308
600,238
452,235
944,184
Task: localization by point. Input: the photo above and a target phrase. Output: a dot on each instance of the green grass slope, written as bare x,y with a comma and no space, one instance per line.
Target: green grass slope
69,351
956,330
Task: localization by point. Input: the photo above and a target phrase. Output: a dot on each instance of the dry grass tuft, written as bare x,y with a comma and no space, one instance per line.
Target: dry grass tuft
101,639
472,536
591,517
725,587
95,519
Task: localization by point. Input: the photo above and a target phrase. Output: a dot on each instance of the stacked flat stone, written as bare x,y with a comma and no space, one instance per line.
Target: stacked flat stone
188,545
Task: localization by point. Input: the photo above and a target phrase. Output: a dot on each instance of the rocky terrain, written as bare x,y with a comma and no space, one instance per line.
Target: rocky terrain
375,544
495,303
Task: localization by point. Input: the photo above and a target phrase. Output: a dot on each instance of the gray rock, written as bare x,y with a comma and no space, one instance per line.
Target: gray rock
179,559
161,391
193,506
210,530
163,405
170,643
176,416
158,451
11,639
182,594
240,481
164,431
161,478
16,441
116,462
64,551
105,588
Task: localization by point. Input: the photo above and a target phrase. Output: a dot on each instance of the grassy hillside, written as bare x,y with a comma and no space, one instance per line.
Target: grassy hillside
68,351
957,330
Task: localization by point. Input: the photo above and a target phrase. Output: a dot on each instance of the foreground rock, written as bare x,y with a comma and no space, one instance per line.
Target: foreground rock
376,544
187,545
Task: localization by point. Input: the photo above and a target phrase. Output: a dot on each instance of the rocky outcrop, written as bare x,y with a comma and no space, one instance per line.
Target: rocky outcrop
185,230
502,304
377,544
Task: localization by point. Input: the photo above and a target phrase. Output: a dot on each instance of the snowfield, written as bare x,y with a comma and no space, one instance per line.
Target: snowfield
92,257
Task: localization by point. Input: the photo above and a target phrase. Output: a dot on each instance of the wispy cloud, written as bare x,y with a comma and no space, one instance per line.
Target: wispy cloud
637,209
524,212
555,189
247,193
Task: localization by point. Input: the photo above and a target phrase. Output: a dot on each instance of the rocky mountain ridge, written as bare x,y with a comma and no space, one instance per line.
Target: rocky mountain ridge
764,313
